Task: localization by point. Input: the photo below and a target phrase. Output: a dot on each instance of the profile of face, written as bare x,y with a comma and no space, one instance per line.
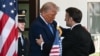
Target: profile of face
68,19
21,26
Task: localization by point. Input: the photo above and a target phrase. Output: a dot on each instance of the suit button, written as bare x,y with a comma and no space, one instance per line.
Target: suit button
22,49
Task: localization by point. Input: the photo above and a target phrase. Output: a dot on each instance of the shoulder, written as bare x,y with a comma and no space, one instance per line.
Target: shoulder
79,29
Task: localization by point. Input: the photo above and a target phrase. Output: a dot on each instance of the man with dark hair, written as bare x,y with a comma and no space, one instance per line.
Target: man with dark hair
77,41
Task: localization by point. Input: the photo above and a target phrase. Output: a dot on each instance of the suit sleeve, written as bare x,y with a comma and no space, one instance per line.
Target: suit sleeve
65,32
34,33
68,40
47,48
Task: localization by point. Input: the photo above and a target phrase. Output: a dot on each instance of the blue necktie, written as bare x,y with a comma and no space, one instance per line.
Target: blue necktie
51,29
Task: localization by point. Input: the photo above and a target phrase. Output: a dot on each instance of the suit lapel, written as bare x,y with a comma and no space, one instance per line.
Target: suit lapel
46,28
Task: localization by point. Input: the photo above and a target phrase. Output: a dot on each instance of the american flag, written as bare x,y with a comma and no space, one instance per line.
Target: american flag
56,47
8,28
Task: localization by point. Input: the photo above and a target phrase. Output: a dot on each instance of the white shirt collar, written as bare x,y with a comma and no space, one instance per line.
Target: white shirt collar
43,19
19,34
74,25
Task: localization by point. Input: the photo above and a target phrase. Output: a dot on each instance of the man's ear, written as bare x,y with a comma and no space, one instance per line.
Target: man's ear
71,18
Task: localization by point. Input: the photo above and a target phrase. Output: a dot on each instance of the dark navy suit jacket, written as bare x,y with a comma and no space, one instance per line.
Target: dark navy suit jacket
40,27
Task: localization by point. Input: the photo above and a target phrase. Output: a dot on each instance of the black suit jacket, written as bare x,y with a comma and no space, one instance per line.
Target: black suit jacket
77,42
40,27
23,49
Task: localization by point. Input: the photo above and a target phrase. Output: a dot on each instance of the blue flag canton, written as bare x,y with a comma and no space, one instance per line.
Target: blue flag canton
9,7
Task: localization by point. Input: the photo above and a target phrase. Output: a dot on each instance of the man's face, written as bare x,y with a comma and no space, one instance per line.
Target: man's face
68,19
50,15
21,26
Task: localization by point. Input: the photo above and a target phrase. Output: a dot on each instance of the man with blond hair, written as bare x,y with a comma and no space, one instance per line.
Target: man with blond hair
40,27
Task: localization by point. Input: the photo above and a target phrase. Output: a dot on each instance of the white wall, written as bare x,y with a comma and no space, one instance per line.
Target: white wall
93,0
63,4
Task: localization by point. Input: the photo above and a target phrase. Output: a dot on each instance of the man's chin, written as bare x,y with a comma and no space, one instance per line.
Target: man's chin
22,30
67,25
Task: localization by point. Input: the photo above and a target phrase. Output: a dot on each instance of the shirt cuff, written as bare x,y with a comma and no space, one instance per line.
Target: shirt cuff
42,45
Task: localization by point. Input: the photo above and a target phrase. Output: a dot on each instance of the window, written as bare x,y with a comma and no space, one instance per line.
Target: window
94,23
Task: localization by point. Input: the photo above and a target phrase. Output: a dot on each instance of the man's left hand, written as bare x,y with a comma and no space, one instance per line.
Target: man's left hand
40,40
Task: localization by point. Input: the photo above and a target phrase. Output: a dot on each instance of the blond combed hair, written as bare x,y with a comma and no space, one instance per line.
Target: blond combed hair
47,6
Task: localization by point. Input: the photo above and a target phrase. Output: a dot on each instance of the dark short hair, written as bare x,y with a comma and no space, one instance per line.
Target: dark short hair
75,13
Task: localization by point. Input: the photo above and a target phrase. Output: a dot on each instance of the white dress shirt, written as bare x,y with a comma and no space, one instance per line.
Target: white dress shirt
20,36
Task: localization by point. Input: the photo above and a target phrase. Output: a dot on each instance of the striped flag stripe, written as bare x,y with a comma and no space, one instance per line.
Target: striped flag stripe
12,48
6,30
1,13
55,47
15,54
54,54
54,50
8,42
3,22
